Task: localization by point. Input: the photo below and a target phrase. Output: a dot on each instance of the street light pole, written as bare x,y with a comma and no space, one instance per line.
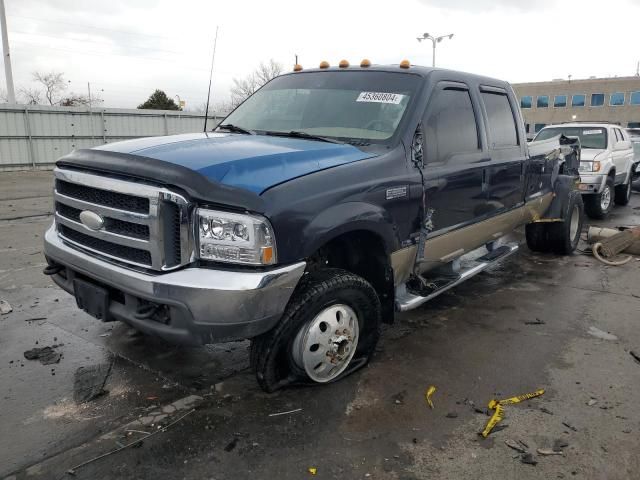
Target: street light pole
11,94
434,41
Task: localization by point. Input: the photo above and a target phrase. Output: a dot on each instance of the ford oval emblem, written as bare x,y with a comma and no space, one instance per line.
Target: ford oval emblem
91,220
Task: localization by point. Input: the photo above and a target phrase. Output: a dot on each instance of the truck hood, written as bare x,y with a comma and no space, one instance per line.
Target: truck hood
591,154
251,162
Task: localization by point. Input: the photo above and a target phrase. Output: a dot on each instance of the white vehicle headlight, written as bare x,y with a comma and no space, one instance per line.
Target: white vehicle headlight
589,166
235,238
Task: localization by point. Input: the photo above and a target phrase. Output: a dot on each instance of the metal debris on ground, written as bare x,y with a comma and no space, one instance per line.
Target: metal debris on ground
452,415
498,413
569,426
536,322
592,402
636,356
546,410
46,355
5,307
73,470
285,413
429,395
89,382
529,459
559,444
549,451
515,445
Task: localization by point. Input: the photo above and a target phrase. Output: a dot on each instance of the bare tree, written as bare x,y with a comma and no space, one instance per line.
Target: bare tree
76,100
54,85
245,87
30,96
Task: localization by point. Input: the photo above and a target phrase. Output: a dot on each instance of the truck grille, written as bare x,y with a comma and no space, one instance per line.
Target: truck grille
137,224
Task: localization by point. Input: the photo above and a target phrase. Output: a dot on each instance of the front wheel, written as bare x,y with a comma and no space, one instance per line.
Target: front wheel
599,205
329,329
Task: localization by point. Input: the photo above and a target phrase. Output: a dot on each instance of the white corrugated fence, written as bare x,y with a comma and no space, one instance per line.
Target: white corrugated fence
35,136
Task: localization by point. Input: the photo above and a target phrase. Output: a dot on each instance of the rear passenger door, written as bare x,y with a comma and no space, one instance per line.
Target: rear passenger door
503,182
453,156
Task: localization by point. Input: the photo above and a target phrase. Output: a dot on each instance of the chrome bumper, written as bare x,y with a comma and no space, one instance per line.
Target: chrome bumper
206,305
591,183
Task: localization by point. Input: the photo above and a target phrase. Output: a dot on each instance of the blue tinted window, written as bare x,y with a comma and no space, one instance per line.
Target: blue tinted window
560,101
635,98
617,99
543,101
525,102
597,99
578,100
539,126
634,125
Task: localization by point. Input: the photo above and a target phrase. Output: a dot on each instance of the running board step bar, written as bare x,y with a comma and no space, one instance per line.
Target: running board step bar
406,300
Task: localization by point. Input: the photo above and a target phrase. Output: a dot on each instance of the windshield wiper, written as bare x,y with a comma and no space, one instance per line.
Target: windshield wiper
236,129
305,135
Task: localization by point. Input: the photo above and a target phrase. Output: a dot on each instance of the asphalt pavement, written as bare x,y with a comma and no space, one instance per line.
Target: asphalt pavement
563,324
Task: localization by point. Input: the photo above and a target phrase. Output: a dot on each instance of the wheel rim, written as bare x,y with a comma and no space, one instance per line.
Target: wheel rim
325,345
575,222
605,198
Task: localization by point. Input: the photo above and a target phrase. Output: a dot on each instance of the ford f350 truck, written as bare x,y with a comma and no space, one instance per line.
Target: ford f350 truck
329,200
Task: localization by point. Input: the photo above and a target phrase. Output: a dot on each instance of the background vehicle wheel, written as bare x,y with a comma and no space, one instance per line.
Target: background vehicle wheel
623,193
598,206
564,236
329,329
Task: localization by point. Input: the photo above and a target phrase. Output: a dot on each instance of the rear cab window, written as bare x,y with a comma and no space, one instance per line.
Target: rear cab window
501,122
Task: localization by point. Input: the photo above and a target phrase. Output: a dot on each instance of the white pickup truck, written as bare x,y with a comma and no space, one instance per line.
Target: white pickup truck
606,163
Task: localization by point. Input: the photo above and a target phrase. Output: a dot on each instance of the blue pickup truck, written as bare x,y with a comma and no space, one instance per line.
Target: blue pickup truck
329,200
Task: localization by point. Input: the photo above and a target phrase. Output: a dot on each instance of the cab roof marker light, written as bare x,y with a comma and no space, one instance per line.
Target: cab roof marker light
297,67
343,64
365,63
324,64
405,64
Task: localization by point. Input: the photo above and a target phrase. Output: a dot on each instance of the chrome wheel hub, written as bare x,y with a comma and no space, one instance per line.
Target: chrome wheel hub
325,346
605,198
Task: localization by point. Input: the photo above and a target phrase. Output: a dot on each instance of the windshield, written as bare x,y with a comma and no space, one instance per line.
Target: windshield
362,106
590,137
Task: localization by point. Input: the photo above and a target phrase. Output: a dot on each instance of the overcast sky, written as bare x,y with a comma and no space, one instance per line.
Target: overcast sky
127,48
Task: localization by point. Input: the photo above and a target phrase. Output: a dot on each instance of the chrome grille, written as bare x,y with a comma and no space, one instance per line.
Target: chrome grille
143,225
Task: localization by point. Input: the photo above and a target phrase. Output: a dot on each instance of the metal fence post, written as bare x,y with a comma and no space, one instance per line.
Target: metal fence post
27,125
166,125
104,127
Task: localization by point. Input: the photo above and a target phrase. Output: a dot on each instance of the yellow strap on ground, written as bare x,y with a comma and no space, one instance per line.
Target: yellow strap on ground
428,394
497,417
498,413
521,398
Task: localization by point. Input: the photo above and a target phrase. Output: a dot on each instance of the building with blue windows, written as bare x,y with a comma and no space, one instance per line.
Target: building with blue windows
614,100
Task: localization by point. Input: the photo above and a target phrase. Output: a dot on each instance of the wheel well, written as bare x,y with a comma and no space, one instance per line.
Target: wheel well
361,252
612,173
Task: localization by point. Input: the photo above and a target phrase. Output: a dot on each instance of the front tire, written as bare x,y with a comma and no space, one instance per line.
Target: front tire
599,205
329,329
560,237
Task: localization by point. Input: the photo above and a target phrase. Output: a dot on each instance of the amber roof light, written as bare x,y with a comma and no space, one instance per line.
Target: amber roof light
297,67
405,64
324,64
343,64
365,63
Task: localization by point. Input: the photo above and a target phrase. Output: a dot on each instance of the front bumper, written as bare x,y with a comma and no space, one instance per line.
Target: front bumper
591,183
204,305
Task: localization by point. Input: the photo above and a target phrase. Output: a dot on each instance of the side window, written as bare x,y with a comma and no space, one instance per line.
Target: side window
502,124
620,134
450,127
617,133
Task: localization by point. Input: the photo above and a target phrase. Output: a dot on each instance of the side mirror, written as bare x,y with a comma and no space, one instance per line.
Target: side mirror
622,145
417,151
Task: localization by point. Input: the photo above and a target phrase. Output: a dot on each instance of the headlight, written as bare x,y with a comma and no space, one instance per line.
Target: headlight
589,167
235,238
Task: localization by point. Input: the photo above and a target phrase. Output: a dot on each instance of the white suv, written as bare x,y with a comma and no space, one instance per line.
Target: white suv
606,163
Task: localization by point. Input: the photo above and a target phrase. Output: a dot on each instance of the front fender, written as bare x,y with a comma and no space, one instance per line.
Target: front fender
348,217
